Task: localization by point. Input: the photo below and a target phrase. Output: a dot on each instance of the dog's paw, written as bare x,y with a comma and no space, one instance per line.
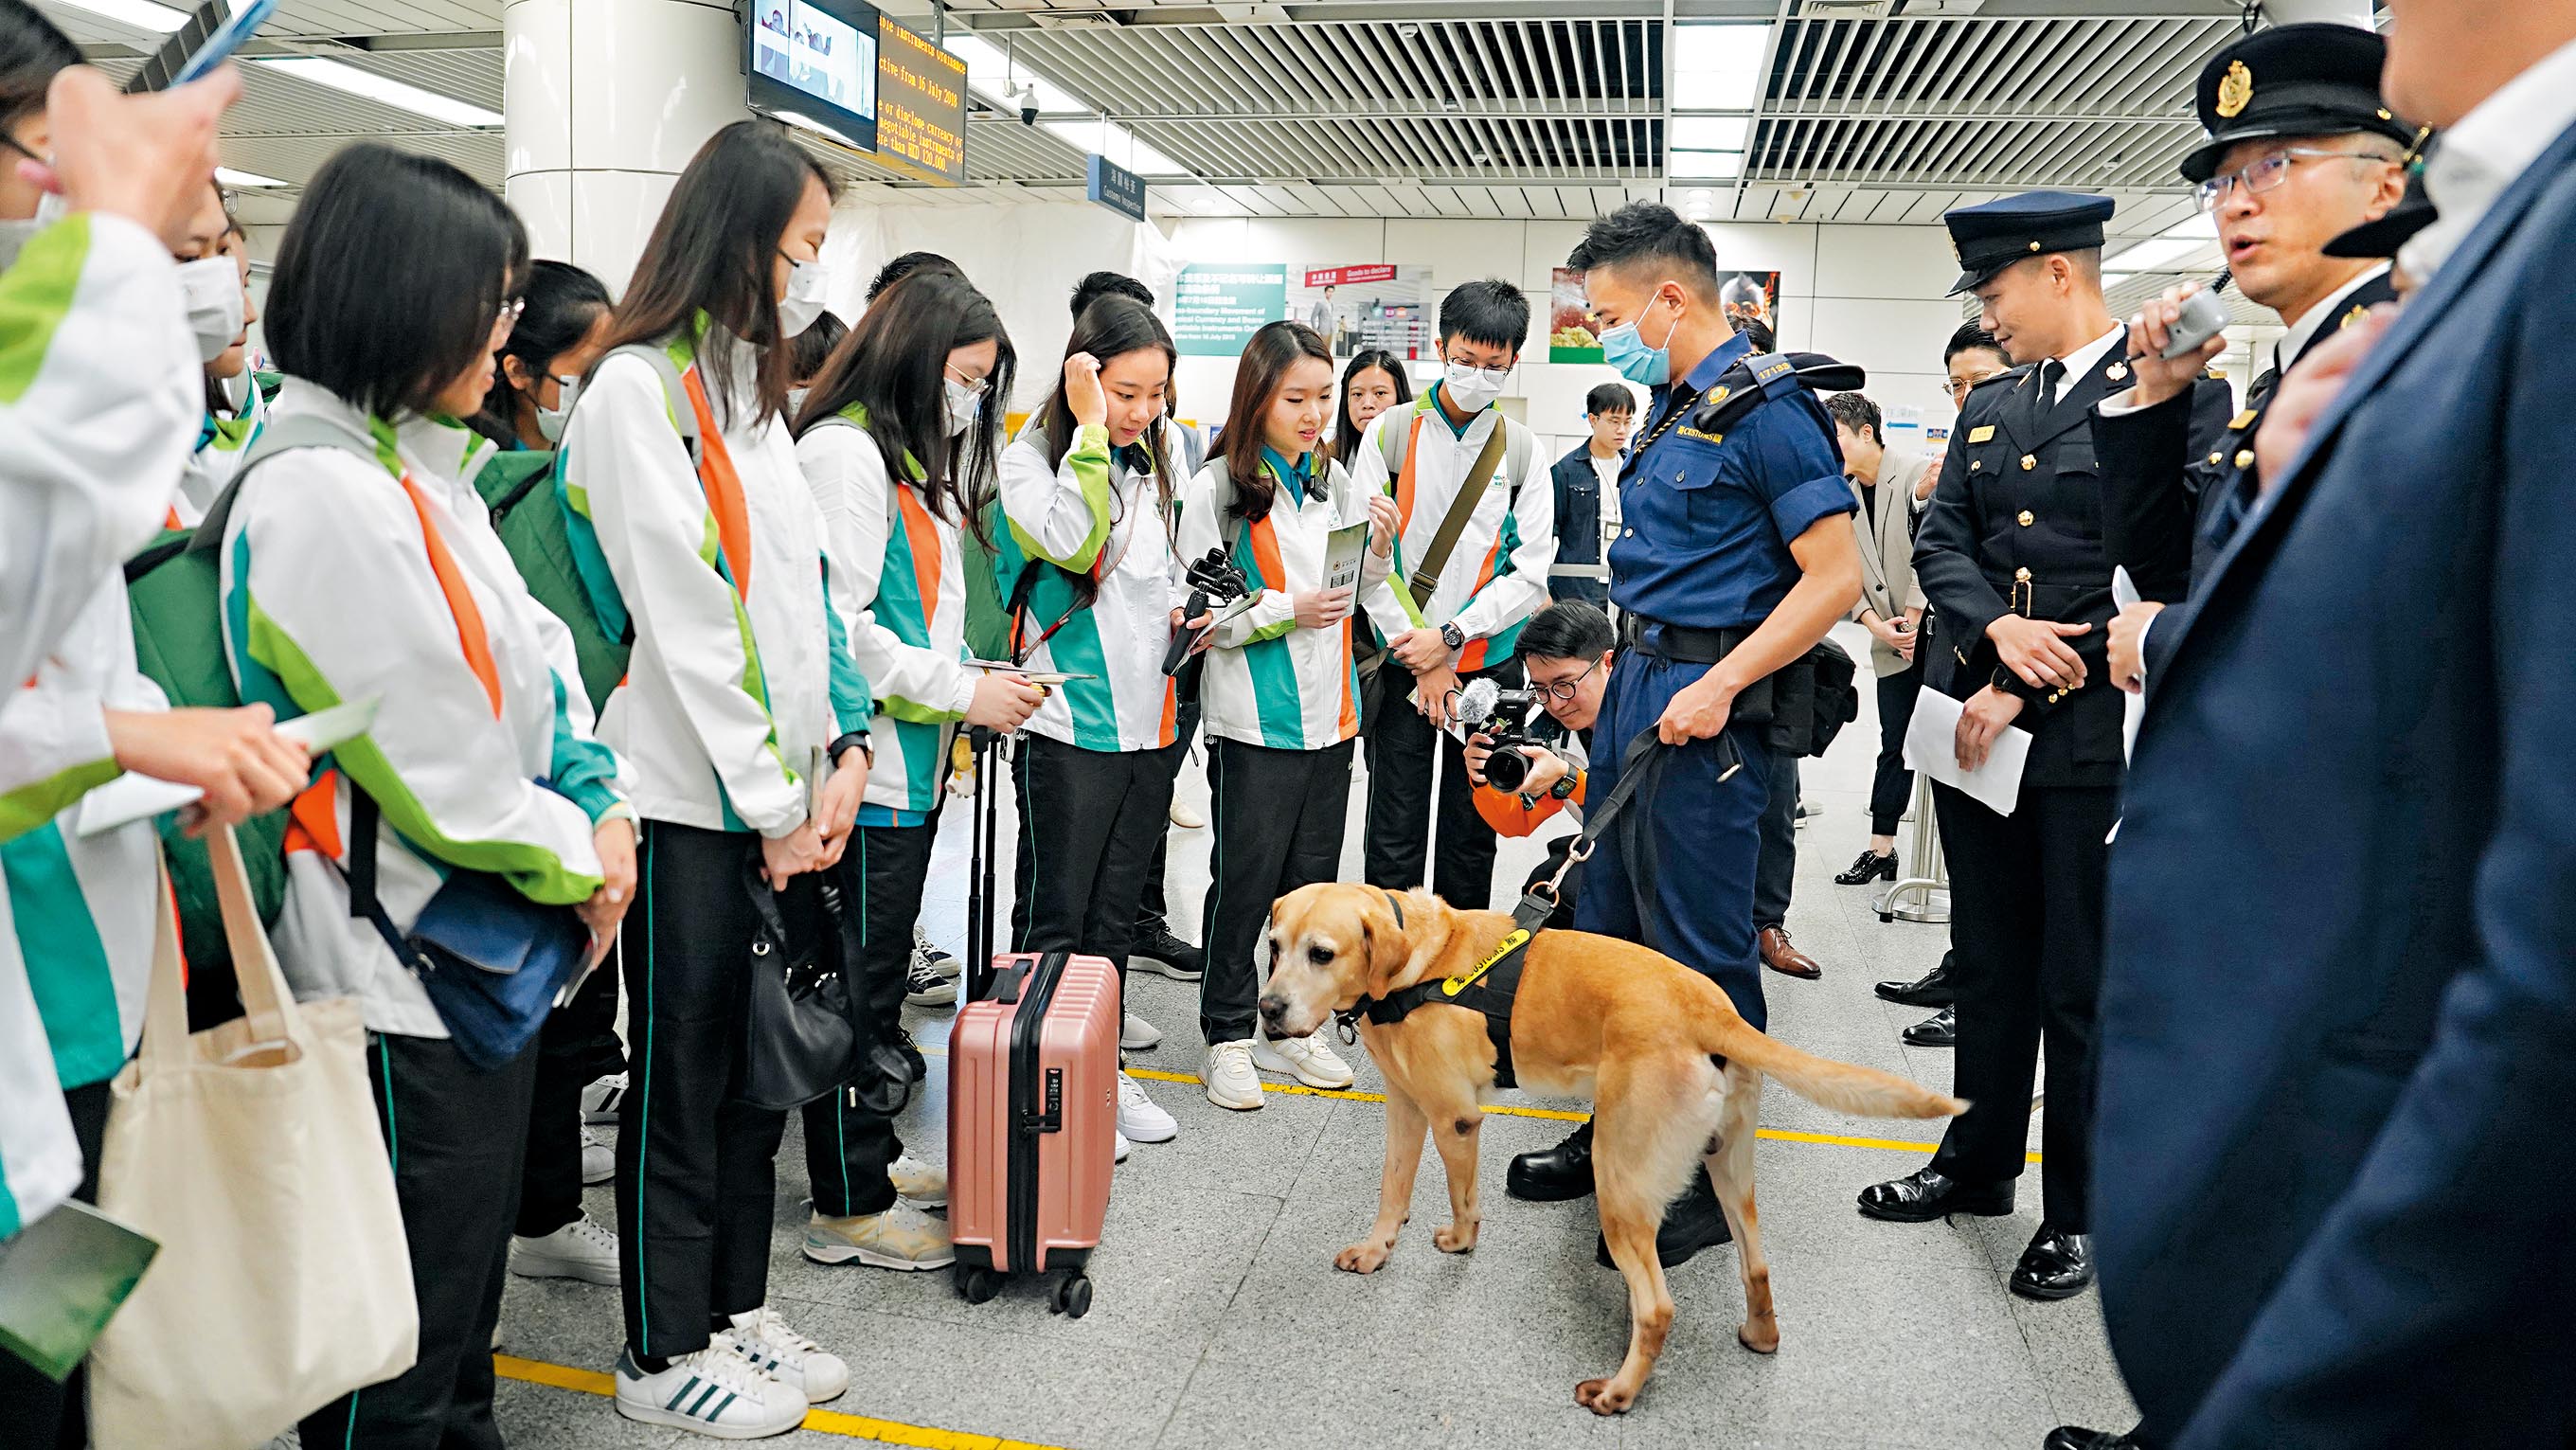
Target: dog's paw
1360,1258
1762,1336
1601,1399
1454,1240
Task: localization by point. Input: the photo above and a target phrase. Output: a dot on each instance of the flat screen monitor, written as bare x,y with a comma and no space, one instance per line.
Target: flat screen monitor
814,63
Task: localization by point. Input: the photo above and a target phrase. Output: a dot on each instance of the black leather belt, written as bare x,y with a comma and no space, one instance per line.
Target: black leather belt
1681,643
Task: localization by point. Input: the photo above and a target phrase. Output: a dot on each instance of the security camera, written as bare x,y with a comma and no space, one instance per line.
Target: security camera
1029,106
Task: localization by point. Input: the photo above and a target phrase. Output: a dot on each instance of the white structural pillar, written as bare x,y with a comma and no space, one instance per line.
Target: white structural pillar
606,102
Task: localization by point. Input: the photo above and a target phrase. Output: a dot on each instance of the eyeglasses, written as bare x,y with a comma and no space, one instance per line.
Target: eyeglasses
2269,172
1961,387
1564,689
506,321
974,387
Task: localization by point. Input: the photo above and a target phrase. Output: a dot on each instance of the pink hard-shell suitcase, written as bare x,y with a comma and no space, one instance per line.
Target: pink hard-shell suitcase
1032,1102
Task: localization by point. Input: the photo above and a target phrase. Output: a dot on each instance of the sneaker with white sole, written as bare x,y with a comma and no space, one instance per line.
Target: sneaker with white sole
712,1392
598,1160
902,1237
579,1250
1123,1146
600,1100
1231,1082
1138,1118
917,1183
1135,1034
926,953
775,1349
1308,1059
924,987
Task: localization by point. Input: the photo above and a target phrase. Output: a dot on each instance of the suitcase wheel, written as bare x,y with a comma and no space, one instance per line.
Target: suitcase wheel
977,1284
1072,1296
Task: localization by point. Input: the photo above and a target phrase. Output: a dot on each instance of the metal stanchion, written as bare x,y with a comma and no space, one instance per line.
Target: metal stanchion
1925,895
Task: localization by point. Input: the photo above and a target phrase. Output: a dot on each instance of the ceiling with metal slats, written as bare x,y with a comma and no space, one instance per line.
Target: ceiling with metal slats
1875,114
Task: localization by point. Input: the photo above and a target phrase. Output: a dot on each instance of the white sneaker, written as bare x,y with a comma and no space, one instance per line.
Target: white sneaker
579,1250
902,1237
1308,1059
1231,1082
1123,1147
712,1392
927,953
777,1350
917,1183
598,1160
1138,1119
600,1100
1185,817
1136,1034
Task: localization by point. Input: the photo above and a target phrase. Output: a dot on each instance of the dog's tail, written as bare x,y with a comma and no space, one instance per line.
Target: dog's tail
1864,1091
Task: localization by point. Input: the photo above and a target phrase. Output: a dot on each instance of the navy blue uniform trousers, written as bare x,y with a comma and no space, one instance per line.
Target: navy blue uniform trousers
1705,835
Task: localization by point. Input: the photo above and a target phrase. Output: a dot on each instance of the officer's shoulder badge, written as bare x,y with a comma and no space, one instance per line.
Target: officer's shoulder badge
2235,91
1981,433
2244,420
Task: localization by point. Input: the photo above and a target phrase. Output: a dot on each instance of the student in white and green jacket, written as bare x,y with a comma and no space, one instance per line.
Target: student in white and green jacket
214,275
1282,688
745,719
1084,551
894,441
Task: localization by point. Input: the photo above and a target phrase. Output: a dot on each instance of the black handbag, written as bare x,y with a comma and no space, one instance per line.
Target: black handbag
803,1035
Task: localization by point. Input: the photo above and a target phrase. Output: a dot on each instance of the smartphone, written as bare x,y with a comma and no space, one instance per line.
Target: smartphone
212,34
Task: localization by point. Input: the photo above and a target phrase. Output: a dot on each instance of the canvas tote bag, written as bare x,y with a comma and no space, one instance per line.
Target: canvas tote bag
252,1153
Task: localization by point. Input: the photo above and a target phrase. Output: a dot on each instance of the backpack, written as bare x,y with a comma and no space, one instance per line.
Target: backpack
1519,445
539,539
174,590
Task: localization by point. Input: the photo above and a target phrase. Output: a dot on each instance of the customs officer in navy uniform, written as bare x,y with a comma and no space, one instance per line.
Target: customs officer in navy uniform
2011,557
1735,555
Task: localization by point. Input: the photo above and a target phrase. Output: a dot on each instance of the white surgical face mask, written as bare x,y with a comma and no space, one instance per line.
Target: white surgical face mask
804,303
211,286
551,421
15,235
964,406
1473,387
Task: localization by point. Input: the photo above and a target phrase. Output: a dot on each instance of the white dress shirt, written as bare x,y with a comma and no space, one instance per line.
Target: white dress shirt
2482,154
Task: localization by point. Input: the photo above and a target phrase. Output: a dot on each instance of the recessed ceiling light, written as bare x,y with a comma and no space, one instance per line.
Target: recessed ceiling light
1704,165
341,76
2156,254
246,180
1709,133
1717,66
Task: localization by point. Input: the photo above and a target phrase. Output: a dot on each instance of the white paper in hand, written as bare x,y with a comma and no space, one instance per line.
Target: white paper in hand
1932,747
132,797
2124,592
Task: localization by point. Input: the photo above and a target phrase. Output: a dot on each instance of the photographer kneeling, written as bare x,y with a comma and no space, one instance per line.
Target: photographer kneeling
1566,648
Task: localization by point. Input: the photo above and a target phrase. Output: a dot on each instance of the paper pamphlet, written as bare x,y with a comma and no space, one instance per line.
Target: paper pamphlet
132,797
1343,551
1931,746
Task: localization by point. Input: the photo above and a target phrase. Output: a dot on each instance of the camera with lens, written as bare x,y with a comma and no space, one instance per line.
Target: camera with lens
1212,581
1502,717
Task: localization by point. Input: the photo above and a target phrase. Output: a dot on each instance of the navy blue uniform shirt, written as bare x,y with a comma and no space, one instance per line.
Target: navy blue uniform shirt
1705,523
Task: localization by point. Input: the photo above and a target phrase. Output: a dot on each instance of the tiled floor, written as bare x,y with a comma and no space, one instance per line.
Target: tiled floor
1219,1321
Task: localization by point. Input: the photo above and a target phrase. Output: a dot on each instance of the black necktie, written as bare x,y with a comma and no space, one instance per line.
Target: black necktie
2263,386
2049,372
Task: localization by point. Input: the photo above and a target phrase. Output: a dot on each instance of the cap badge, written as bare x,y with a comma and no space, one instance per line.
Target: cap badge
2235,90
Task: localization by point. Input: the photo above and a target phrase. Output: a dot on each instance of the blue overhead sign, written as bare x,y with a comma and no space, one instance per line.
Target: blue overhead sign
1117,188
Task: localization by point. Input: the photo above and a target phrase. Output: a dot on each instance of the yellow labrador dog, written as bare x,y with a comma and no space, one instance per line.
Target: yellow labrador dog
1674,1074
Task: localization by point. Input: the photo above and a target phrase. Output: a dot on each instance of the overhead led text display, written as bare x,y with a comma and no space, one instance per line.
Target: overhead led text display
921,105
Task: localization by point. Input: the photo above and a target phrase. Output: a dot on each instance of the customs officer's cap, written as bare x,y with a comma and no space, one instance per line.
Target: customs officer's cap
2383,237
2318,79
1993,235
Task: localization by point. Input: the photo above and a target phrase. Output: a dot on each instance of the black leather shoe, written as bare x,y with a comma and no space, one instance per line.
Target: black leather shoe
1870,867
1934,990
1552,1175
1694,1222
1941,1029
1928,1193
2057,1265
1157,950
2076,1437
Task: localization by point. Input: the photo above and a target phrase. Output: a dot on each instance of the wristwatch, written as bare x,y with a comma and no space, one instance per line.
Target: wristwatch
1566,786
1452,636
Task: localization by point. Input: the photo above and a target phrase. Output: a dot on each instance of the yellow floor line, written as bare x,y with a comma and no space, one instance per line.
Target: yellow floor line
1558,1115
827,1422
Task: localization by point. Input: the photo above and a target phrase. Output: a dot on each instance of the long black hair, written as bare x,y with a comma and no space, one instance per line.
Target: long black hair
1110,328
714,251
1273,350
564,303
32,53
390,278
895,365
1346,434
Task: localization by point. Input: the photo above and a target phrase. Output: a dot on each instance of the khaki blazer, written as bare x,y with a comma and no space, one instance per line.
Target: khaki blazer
1887,587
